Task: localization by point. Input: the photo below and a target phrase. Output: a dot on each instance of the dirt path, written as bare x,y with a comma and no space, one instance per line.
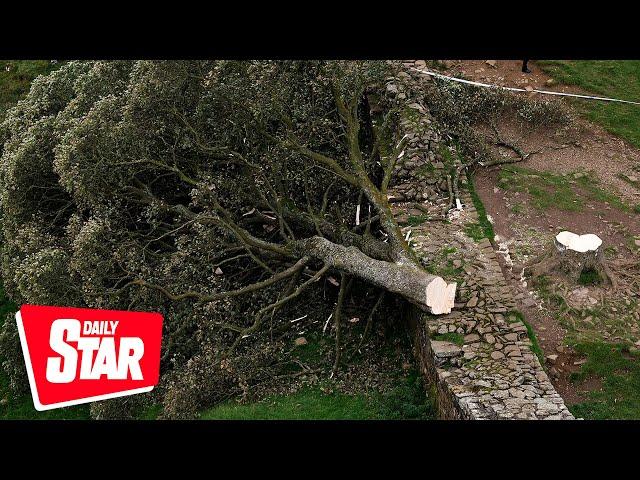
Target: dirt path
522,228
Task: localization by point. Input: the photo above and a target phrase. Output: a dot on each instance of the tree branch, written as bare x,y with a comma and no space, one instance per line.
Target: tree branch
300,264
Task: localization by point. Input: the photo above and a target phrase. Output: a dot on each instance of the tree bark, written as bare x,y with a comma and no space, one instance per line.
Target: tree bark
429,292
576,256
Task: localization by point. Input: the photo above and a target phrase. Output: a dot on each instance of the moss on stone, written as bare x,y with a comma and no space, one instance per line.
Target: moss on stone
456,338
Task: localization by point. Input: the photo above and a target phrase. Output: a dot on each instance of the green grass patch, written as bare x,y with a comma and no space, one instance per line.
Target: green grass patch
456,338
483,221
619,371
150,413
444,266
437,65
514,316
425,171
447,156
535,346
548,190
544,288
610,78
589,277
517,208
407,401
545,189
22,409
404,398
475,231
415,220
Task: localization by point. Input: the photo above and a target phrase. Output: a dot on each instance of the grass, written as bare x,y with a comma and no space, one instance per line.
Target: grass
16,77
610,78
484,228
612,321
589,277
517,316
407,401
456,338
22,409
544,287
150,413
437,65
475,231
442,265
549,190
619,371
517,208
309,404
415,220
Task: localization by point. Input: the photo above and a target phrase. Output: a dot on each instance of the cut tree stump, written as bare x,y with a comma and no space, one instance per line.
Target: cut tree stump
578,253
572,254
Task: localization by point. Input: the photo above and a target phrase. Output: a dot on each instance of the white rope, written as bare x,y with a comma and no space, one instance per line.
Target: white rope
514,89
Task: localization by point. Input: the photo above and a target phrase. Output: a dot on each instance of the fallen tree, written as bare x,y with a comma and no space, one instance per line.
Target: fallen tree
215,191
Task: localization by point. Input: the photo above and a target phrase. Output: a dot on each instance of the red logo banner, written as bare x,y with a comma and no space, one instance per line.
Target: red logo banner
80,355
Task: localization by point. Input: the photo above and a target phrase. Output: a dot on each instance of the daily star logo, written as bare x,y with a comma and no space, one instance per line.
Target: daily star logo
80,355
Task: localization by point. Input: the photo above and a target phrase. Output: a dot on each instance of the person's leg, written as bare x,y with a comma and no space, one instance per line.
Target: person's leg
525,68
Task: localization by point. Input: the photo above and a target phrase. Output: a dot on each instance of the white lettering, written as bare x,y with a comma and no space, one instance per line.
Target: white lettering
63,369
116,365
131,351
100,327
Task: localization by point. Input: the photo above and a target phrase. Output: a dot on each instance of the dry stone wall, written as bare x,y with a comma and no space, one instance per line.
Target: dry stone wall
420,172
478,359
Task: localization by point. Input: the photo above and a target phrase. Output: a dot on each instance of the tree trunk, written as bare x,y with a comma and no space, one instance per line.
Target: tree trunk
572,254
578,253
429,292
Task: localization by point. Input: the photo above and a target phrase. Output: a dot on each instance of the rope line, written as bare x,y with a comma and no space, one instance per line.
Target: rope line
514,89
